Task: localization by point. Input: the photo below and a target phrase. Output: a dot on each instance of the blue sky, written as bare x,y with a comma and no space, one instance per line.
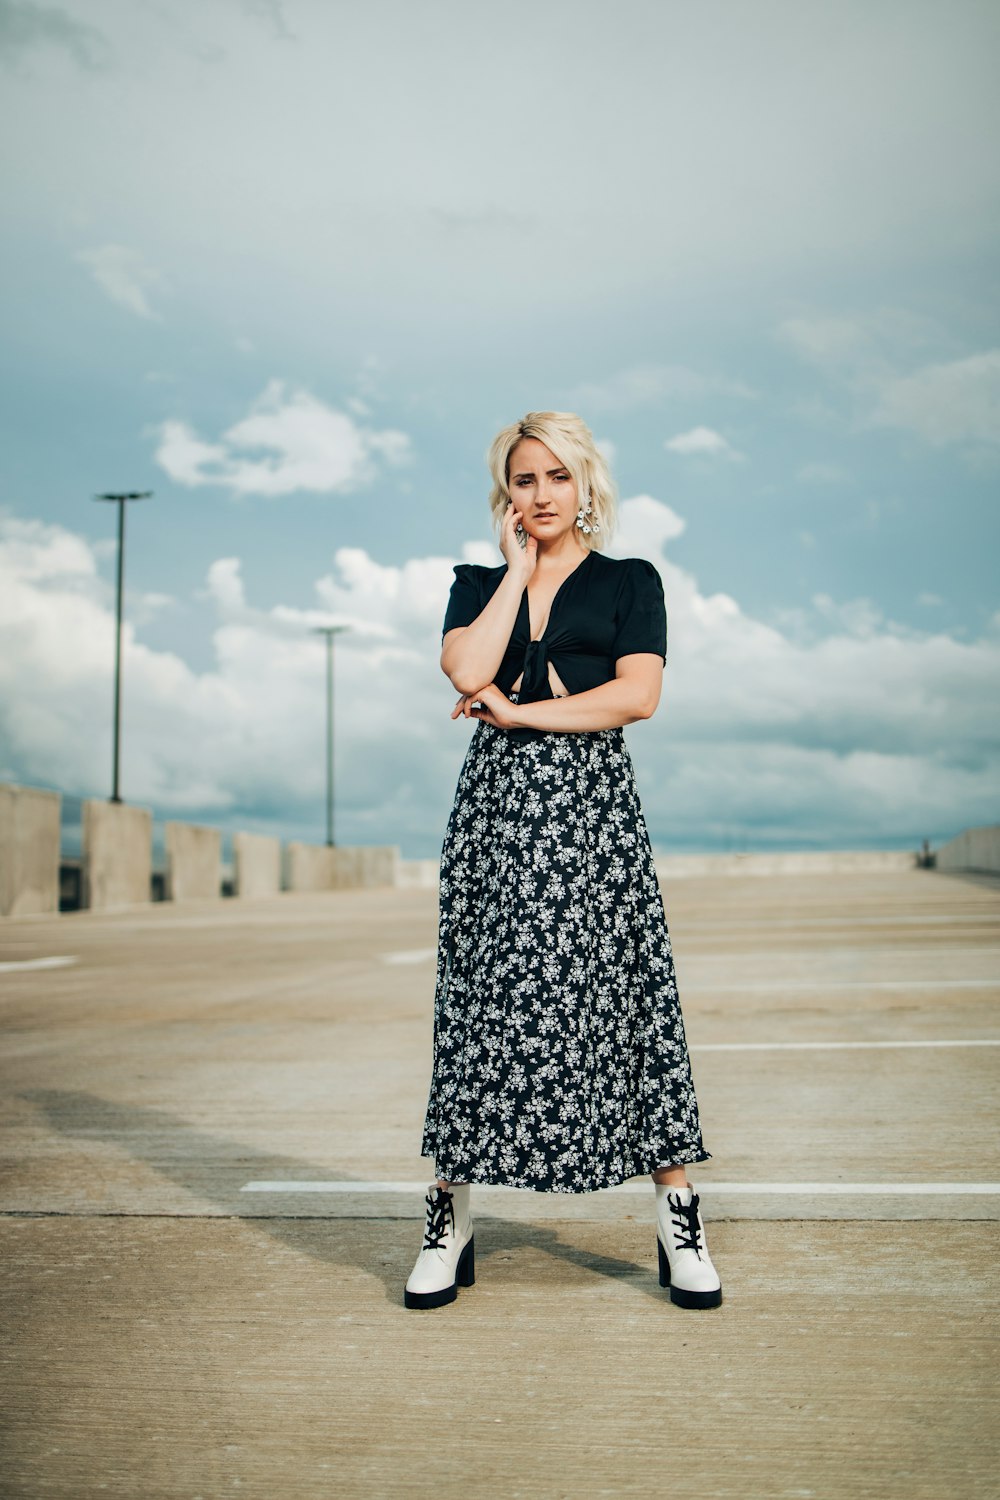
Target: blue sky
292,265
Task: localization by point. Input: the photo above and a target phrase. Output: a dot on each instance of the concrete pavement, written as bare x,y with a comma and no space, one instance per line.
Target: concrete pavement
171,1332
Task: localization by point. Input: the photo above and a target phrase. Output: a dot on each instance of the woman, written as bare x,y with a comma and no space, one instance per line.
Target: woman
560,1061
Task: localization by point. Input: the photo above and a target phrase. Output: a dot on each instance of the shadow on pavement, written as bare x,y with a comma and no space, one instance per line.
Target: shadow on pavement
214,1170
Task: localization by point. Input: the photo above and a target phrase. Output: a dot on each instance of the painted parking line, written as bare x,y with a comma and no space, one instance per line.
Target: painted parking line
18,966
426,955
778,1189
765,986
838,1046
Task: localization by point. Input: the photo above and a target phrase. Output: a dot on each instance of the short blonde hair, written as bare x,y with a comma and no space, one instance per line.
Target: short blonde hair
570,439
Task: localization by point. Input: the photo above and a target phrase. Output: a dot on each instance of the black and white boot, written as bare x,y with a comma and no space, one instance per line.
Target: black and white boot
685,1265
447,1258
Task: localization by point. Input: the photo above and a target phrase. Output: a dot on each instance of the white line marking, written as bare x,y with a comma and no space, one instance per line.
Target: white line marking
841,984
830,1046
928,919
19,965
426,955
783,1189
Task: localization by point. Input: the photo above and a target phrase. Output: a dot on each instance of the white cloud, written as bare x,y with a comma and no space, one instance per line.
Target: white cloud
881,360
840,726
702,442
650,384
124,276
958,401
821,473
289,441
864,346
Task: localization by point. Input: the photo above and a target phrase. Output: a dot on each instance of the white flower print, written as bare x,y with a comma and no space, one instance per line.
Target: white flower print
559,1060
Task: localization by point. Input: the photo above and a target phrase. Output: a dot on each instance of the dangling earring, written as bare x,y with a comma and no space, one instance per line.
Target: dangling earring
581,515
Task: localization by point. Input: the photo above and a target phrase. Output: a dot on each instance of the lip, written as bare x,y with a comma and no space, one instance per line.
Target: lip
545,515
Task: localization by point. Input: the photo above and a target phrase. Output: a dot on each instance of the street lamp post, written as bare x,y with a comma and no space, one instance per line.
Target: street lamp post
329,631
121,500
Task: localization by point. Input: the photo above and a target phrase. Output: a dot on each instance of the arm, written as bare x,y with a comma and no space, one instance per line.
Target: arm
633,694
471,654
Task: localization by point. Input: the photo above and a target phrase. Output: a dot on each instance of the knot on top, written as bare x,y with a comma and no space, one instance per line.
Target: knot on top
536,671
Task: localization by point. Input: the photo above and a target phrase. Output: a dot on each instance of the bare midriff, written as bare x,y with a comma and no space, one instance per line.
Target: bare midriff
555,683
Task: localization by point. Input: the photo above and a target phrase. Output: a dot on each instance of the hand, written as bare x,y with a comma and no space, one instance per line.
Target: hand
520,560
496,709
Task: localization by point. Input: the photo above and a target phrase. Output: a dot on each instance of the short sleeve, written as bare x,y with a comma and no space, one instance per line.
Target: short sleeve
641,615
465,599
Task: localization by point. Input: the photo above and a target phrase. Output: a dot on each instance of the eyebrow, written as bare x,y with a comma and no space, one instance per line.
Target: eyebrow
530,473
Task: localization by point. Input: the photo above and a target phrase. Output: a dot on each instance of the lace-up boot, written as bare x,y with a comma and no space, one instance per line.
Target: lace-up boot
685,1265
447,1258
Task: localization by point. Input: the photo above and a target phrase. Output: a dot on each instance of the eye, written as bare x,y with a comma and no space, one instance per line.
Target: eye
522,482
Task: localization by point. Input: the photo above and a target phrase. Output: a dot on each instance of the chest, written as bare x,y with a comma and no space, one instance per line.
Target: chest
542,599
538,600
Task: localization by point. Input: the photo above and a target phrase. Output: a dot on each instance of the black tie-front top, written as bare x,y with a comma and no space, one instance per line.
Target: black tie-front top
607,607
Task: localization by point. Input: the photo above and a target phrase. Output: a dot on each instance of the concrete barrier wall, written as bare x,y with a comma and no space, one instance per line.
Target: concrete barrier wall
117,855
418,873
806,862
975,849
315,867
193,856
425,872
29,851
256,865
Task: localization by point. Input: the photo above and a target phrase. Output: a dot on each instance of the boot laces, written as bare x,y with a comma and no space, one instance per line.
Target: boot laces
440,1208
687,1231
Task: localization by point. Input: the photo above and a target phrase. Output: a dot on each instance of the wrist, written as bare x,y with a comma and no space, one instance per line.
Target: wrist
521,716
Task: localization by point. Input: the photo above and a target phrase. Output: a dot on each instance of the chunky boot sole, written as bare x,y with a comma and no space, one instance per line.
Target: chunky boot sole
678,1294
465,1275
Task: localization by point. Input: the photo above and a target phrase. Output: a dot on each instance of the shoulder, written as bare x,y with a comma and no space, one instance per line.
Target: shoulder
478,575
634,572
473,587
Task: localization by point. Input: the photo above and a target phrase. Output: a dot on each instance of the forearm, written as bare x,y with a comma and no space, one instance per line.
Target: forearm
610,706
474,657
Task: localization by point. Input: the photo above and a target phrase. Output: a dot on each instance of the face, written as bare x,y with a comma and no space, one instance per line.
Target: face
542,489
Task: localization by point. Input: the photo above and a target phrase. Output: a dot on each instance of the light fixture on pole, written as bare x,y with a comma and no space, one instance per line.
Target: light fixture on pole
121,500
329,631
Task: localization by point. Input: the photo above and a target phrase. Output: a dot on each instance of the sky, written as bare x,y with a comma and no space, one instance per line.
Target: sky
292,265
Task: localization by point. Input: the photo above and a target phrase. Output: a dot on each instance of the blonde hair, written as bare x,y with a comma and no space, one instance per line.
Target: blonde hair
570,439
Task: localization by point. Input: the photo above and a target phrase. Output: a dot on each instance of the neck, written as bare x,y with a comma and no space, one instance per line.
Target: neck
562,551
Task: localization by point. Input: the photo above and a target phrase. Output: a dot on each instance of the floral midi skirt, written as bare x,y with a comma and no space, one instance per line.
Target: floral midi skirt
559,1058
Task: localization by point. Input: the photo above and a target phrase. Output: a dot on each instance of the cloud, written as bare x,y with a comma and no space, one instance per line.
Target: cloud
653,384
124,276
821,473
290,441
273,12
24,27
702,442
864,346
881,361
838,728
958,401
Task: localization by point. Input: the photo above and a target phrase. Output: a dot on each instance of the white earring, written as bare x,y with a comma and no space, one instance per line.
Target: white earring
581,516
